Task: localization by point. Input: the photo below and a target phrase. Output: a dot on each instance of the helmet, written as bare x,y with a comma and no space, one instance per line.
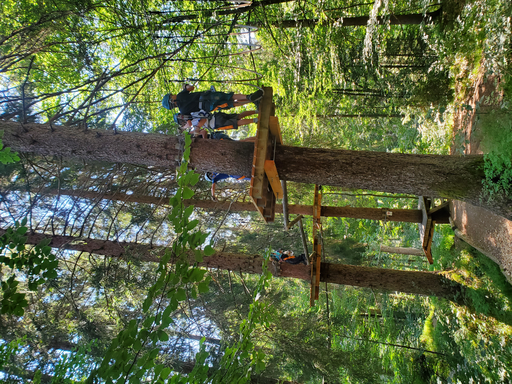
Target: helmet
167,102
209,176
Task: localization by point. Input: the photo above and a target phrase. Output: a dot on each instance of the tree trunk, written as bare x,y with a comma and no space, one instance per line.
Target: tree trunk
360,21
421,283
402,251
222,11
441,176
401,215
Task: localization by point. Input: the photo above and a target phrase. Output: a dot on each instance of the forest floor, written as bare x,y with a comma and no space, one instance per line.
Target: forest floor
489,233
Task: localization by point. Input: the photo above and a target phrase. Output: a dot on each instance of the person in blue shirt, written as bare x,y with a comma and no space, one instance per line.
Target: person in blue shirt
215,177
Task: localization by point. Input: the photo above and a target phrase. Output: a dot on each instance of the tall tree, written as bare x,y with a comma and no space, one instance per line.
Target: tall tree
427,175
388,214
377,278
360,21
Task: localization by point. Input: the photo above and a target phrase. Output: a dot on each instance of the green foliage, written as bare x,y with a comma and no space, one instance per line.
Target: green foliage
6,156
133,352
9,349
75,62
37,263
470,337
497,142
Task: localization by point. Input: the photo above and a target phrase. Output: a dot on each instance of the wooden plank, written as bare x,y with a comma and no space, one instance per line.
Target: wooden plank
438,208
295,221
275,130
270,206
261,145
273,178
426,228
428,243
317,246
422,227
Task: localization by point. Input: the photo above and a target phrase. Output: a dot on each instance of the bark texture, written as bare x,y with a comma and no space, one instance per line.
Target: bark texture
422,283
449,177
127,147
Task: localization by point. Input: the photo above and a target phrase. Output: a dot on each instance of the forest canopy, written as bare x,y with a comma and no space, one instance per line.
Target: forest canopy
110,274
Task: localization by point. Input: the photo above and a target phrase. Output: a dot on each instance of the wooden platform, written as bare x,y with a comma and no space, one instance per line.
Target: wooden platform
426,227
265,183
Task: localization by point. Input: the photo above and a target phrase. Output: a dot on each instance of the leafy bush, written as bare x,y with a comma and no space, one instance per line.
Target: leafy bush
497,142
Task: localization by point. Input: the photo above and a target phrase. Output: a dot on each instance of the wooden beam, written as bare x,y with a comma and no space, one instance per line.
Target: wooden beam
426,228
261,145
275,129
295,221
273,178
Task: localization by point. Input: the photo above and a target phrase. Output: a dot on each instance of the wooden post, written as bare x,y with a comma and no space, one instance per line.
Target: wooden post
285,204
304,241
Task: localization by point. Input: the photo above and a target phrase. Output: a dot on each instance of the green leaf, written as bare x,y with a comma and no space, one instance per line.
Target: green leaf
203,287
191,225
199,256
174,201
158,369
188,140
137,345
208,250
165,373
194,179
187,193
162,336
147,304
188,211
181,294
197,275
21,230
186,154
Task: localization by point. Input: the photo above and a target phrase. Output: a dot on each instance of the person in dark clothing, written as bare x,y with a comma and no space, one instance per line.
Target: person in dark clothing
288,257
222,121
208,101
292,259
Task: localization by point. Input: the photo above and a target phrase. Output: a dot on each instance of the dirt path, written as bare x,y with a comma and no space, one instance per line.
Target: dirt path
489,233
